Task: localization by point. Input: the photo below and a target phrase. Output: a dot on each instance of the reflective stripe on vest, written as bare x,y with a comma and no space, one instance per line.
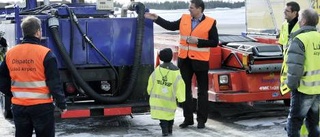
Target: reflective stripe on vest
34,84
162,97
183,37
312,83
175,85
31,95
194,48
314,72
163,109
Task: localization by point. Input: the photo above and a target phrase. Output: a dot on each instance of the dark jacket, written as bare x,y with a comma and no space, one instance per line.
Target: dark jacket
3,46
211,42
51,73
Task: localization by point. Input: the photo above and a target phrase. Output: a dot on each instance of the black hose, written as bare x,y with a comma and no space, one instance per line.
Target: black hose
38,10
135,68
75,20
71,50
71,67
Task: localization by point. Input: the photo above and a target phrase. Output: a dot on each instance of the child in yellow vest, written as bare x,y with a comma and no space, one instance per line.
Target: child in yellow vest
165,87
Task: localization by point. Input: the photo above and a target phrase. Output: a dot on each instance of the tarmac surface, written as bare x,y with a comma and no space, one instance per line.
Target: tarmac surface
263,119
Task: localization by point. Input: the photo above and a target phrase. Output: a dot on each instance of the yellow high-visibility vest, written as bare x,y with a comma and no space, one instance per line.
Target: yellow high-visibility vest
284,34
310,81
165,88
201,31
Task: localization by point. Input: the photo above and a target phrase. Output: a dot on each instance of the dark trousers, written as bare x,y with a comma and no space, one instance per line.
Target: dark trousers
166,126
187,71
302,107
37,117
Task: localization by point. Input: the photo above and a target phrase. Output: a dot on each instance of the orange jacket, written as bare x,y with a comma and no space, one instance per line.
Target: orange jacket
201,31
28,81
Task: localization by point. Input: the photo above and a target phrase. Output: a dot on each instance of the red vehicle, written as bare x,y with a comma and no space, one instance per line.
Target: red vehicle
249,71
242,69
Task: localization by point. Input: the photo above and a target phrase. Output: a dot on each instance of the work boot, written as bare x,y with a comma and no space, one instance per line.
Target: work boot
201,125
186,124
164,128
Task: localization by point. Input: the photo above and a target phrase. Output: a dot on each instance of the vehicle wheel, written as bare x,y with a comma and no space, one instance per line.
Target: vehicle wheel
286,102
6,106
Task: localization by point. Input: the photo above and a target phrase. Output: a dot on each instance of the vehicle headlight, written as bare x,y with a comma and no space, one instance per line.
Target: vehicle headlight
223,79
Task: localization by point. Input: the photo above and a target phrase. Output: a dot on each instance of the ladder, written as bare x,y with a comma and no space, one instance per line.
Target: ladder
273,17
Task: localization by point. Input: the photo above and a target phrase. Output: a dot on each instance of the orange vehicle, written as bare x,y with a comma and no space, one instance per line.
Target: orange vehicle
243,69
246,68
249,71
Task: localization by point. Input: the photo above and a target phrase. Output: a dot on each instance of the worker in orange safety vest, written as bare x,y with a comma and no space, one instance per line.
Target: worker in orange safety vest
30,75
198,33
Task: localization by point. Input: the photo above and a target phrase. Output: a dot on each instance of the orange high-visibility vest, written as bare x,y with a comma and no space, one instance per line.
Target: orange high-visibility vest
28,81
201,31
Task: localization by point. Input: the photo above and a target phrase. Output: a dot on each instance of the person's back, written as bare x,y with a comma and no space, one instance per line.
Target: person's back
25,62
30,75
165,86
302,75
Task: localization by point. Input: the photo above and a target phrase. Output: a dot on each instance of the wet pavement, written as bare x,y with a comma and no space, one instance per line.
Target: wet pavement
238,123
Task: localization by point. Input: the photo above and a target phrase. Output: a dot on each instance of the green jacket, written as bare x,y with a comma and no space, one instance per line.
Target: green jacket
165,87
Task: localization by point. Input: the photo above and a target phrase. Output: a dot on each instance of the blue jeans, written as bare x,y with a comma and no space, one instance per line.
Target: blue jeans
303,106
37,117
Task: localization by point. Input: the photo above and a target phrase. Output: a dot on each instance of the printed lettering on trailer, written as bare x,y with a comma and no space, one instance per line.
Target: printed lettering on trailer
269,88
269,79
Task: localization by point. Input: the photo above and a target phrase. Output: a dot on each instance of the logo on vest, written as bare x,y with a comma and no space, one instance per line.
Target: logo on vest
316,49
28,65
164,83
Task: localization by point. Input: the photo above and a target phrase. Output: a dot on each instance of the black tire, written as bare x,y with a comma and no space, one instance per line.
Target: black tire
6,106
286,102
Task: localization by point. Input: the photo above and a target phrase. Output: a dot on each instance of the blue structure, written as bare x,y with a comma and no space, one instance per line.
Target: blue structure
101,58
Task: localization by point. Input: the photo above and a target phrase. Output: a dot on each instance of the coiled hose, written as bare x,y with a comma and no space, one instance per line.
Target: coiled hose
54,25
